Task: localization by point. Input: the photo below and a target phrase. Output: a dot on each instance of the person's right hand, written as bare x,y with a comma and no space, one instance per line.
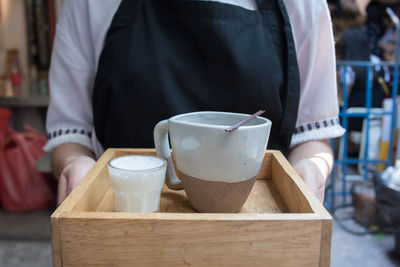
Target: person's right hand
72,174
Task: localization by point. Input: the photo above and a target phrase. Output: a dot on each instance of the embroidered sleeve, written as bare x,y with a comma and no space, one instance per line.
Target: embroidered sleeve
69,116
318,107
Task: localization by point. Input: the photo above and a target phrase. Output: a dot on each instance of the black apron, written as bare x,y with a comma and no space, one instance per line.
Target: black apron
166,57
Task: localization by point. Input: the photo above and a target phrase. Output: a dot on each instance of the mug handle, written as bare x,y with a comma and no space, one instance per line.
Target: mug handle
163,150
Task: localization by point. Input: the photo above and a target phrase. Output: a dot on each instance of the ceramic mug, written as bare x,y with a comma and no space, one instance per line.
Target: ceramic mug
217,169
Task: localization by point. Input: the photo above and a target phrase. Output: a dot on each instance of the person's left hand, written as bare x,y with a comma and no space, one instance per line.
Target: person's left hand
312,176
72,174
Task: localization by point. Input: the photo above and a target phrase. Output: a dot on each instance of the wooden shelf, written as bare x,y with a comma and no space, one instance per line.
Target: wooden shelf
30,94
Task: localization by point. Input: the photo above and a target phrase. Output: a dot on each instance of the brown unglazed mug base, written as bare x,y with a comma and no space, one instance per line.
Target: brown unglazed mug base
221,197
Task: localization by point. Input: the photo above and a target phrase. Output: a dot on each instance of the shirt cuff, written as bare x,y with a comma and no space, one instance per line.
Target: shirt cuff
63,136
317,130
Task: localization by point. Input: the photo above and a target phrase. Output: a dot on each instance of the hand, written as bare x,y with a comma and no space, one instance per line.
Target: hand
313,161
312,176
72,174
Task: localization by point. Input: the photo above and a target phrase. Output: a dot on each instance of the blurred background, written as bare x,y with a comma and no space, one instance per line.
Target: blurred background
362,194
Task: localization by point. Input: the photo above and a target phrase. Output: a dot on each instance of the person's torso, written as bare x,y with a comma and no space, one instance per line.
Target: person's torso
165,58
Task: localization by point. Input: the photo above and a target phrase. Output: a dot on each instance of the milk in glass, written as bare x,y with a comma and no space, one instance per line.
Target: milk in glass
137,182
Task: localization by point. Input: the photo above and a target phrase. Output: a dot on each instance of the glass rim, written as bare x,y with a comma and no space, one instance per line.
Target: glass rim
163,165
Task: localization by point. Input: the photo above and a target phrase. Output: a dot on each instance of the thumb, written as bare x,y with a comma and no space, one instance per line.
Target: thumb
62,189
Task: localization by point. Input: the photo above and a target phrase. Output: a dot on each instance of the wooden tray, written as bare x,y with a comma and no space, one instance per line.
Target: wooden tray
281,224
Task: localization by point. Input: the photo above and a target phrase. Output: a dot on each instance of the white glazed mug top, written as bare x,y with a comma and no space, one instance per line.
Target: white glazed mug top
218,120
203,149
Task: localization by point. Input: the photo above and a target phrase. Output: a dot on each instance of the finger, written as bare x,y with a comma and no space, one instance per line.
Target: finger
71,186
62,189
321,194
74,180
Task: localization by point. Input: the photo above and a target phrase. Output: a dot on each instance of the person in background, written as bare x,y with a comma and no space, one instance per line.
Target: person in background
119,66
387,42
375,26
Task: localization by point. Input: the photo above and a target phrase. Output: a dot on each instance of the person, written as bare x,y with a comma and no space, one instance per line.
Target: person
375,25
121,66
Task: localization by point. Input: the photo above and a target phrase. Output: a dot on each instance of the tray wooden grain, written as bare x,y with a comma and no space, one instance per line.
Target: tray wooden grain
281,224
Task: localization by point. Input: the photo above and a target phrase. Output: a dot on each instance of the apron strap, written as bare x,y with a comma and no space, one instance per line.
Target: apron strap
293,76
265,4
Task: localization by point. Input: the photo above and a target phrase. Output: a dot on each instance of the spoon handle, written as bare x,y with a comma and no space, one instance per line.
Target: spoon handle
240,123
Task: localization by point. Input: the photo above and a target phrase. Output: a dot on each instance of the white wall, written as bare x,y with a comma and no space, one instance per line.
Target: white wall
13,32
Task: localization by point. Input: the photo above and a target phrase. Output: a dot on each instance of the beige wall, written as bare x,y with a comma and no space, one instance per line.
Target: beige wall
13,32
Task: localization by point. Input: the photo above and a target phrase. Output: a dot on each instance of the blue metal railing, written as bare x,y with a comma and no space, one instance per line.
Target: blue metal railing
343,160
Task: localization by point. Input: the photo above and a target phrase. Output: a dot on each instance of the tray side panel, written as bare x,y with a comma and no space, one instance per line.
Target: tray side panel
75,201
264,198
266,167
90,191
96,185
284,178
55,243
326,242
135,151
108,202
114,242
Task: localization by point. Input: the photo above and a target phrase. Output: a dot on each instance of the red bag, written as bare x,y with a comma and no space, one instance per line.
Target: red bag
4,120
22,187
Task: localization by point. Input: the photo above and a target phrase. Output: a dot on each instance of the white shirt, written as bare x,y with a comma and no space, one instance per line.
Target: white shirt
79,40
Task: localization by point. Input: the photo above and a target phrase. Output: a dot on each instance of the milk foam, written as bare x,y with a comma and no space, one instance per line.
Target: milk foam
136,163
137,182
